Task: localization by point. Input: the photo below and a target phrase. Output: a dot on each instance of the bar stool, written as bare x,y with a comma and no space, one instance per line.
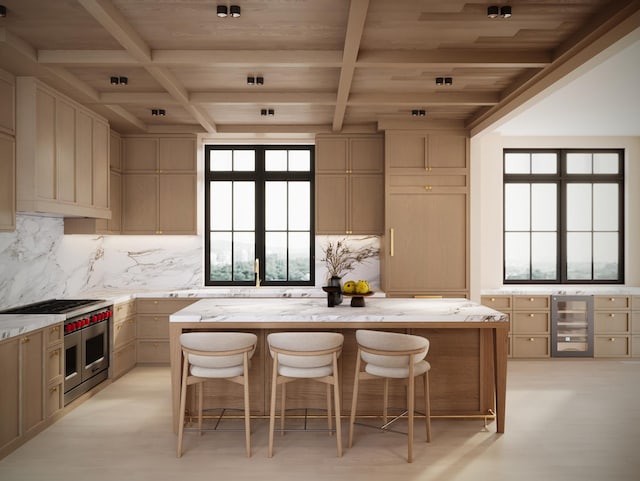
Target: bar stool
215,355
305,355
390,355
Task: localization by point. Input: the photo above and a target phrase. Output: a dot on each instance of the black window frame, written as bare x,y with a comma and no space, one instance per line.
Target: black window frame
260,177
562,179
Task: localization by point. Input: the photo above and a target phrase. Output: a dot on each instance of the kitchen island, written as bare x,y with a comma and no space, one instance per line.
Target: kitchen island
468,351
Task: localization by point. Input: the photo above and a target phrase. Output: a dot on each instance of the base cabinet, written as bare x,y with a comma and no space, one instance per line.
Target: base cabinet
124,338
613,326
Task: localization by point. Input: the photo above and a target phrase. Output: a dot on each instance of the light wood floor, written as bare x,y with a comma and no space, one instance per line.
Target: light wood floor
566,420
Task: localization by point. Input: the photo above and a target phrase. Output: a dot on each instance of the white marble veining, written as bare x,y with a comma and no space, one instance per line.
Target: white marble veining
563,290
12,325
316,310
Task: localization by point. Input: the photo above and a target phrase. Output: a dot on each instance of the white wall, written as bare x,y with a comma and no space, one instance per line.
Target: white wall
486,201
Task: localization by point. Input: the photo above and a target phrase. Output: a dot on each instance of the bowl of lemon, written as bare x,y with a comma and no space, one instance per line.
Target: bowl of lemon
357,290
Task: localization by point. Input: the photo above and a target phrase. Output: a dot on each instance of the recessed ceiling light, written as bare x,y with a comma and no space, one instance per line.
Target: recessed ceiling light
505,11
221,11
3,11
234,10
493,11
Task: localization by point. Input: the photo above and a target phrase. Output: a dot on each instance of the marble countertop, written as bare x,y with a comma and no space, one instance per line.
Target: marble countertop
564,290
316,310
12,325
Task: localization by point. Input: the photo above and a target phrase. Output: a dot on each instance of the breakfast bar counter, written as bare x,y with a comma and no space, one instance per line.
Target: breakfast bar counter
468,351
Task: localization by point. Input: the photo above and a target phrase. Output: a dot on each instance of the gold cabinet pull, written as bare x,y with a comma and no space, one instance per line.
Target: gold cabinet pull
531,299
391,242
613,299
427,187
612,339
25,340
55,353
531,315
54,389
531,339
612,315
493,299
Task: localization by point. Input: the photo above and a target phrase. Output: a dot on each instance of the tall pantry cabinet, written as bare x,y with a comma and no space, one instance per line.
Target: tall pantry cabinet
426,239
7,153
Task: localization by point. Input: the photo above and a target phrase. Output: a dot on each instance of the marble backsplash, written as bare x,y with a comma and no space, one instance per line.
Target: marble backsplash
38,261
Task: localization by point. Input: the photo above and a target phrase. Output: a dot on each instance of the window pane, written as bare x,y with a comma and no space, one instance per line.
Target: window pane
517,163
276,206
244,160
299,206
517,207
579,163
300,160
299,256
606,163
220,256
220,160
544,163
276,256
244,206
579,207
543,256
516,256
605,256
220,205
275,160
579,256
244,256
605,207
544,208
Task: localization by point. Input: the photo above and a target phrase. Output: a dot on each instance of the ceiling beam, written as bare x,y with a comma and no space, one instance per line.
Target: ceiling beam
86,58
355,27
249,58
301,98
127,117
425,99
112,20
453,58
138,98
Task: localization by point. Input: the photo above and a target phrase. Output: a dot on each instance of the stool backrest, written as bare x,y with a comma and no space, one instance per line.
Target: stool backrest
218,349
305,349
389,346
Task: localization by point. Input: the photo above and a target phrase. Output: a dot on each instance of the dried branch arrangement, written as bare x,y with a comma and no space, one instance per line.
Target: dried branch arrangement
340,258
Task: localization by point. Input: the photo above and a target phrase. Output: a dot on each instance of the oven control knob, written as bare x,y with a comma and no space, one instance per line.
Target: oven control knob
68,328
85,322
75,325
94,318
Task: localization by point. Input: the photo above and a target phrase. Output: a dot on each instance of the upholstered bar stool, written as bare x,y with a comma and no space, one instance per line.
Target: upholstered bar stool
390,355
305,355
215,355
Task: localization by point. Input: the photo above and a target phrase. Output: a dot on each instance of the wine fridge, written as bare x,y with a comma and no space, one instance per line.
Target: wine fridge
572,326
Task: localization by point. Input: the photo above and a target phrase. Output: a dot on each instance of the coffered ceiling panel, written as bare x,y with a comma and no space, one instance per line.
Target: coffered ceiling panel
328,65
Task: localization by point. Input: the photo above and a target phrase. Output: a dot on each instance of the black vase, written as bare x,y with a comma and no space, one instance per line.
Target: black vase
337,282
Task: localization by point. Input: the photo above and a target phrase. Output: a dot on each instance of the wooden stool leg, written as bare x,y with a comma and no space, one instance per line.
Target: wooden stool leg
336,395
272,408
283,398
183,402
427,406
385,400
354,399
410,408
329,421
247,413
200,405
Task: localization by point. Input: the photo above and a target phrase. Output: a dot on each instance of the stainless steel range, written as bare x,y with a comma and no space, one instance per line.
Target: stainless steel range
86,340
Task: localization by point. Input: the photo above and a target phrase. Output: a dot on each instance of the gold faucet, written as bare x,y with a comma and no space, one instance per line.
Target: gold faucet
256,269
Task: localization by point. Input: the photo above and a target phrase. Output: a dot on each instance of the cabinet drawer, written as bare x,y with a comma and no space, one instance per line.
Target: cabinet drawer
611,322
635,322
55,364
161,306
54,334
635,346
523,322
124,332
153,351
611,346
531,302
611,302
530,346
124,310
54,399
497,302
420,181
124,359
152,327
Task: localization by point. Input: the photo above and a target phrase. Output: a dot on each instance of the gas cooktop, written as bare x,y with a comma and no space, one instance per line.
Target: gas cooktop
51,306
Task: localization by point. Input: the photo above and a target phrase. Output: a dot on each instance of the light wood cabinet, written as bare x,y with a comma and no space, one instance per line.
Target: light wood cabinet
10,392
350,184
124,338
7,183
8,102
504,304
530,326
152,328
54,370
635,326
612,326
62,153
159,185
426,238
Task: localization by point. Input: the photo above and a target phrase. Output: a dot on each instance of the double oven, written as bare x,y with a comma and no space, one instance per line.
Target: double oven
86,340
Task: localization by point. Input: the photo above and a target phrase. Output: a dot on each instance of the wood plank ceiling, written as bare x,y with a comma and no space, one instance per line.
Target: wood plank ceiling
328,65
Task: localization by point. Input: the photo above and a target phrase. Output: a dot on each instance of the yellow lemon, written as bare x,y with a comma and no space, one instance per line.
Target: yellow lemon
362,287
349,287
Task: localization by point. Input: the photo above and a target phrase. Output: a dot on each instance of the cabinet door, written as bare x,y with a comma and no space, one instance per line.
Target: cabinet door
45,145
366,155
177,154
100,165
7,183
447,151
32,380
84,152
406,150
177,204
366,204
331,203
10,392
115,223
140,203
331,154
429,242
140,154
65,145
115,150
7,100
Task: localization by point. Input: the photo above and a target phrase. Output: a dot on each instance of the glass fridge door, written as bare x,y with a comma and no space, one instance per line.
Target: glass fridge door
572,326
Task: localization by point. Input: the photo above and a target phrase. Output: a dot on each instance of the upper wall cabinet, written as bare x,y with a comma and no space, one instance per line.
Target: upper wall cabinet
62,152
8,103
350,184
7,183
419,152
